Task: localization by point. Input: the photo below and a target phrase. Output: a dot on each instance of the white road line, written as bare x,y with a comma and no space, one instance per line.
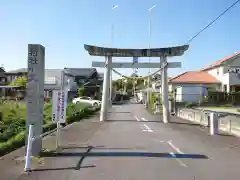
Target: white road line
136,118
178,160
144,119
148,128
174,147
200,129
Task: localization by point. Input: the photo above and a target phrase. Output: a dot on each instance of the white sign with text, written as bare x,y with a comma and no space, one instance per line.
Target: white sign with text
59,106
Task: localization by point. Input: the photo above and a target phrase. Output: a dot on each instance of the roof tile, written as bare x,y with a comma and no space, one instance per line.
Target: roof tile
195,77
220,61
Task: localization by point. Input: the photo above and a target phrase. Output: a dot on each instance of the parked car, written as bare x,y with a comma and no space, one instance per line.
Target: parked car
85,99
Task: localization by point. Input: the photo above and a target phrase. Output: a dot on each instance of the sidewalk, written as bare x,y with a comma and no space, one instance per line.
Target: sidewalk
76,134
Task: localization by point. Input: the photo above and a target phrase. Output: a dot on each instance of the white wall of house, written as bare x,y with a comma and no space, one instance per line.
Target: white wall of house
219,74
226,78
189,93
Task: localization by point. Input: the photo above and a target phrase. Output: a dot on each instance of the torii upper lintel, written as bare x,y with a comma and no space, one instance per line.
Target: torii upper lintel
119,52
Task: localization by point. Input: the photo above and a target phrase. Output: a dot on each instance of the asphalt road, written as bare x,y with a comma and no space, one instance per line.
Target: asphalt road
134,145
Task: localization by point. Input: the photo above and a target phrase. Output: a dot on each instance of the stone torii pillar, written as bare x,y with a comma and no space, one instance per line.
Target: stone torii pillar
106,88
164,89
162,53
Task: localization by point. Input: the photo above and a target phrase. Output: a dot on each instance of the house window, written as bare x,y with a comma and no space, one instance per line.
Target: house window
217,71
50,93
225,88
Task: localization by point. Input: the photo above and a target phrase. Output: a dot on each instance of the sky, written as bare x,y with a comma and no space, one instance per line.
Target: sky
64,26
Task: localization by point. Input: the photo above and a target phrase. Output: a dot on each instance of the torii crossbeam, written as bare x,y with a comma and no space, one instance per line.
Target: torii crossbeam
163,53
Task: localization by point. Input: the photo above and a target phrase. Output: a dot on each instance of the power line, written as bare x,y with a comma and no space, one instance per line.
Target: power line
190,40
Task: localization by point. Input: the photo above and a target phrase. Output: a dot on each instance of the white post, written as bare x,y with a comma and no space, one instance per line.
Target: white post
164,89
105,94
110,93
58,136
29,149
213,124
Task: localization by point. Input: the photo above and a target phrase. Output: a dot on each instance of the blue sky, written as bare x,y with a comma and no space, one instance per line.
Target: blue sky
64,26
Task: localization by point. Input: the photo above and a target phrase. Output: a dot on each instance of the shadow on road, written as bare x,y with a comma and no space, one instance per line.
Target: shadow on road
109,120
63,168
96,147
184,123
121,112
83,155
125,154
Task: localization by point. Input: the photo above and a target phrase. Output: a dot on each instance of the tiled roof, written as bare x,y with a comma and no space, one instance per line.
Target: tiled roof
195,77
21,70
220,61
81,71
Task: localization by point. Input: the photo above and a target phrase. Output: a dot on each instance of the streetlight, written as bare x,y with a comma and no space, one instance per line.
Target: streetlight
112,38
113,8
149,46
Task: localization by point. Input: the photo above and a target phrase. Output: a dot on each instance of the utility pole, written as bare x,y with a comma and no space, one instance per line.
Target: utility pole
112,39
149,53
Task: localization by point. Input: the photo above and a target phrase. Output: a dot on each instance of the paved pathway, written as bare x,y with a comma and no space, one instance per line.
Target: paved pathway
134,145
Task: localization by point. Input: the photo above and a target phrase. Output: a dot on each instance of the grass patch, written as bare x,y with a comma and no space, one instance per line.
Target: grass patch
13,122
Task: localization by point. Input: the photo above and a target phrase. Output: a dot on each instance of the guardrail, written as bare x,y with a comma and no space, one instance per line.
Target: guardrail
31,139
224,121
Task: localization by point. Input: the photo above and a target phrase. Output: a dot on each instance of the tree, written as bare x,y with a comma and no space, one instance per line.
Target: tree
20,82
81,91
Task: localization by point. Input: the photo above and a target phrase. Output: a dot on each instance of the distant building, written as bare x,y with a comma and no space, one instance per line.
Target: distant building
222,75
73,78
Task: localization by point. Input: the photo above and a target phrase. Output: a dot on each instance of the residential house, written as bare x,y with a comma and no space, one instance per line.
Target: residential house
14,74
55,77
222,75
73,78
88,78
5,89
3,81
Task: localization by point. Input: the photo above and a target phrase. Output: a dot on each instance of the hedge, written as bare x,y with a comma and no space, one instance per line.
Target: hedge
74,114
153,97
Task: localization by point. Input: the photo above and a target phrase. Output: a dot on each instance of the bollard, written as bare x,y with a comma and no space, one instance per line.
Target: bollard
29,149
213,124
229,125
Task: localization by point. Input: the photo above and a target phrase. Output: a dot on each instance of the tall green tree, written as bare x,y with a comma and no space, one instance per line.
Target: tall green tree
81,91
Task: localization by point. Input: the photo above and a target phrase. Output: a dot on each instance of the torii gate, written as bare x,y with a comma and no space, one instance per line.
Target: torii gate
162,53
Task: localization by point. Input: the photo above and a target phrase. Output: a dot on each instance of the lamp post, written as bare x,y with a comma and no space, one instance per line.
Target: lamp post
149,46
112,39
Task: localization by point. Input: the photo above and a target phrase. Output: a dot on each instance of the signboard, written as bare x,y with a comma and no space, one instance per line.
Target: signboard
35,92
135,60
59,104
234,70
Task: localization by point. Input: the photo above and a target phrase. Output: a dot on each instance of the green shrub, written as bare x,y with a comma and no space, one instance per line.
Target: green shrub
153,97
81,91
190,104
